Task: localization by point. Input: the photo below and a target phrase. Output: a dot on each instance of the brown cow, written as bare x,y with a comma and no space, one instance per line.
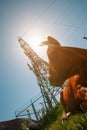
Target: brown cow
68,64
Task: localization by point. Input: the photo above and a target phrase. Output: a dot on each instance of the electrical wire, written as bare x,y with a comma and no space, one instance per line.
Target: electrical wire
41,15
67,10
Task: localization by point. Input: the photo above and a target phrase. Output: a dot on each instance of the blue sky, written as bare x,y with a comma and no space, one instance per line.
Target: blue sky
66,20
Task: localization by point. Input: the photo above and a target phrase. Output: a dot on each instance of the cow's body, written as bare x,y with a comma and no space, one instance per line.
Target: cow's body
65,62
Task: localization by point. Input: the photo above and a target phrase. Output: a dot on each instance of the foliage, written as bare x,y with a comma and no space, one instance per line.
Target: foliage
52,121
24,127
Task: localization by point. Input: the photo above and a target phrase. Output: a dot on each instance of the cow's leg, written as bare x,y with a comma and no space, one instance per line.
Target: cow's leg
83,106
81,93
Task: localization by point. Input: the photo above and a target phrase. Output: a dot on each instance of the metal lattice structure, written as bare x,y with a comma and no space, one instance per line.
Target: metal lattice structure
40,69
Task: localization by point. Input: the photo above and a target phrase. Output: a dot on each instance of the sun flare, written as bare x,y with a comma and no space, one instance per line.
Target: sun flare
34,38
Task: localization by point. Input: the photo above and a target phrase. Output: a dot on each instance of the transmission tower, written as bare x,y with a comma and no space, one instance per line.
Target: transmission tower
40,69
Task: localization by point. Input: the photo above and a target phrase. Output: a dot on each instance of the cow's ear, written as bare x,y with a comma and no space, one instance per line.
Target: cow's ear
44,43
65,116
53,41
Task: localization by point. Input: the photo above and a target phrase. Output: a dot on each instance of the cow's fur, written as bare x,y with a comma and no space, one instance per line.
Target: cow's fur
68,64
73,96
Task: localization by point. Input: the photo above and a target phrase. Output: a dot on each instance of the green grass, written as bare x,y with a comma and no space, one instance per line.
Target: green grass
52,121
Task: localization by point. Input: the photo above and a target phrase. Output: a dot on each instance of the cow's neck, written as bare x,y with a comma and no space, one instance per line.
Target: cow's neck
75,70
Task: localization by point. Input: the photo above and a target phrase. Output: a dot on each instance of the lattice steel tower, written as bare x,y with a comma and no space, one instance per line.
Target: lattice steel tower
40,69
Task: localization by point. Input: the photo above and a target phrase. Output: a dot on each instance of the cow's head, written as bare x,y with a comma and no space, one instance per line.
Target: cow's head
73,99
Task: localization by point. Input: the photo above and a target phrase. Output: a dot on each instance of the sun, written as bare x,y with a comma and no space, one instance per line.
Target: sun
34,38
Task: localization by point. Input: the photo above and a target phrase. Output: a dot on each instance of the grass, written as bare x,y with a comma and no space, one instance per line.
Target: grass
52,121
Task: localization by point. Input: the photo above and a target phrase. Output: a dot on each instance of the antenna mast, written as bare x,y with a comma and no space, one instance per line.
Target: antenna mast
40,69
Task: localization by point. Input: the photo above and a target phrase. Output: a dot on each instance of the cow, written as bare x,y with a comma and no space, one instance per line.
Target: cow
20,124
68,64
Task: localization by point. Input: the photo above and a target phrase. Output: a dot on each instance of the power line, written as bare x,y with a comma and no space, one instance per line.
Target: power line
41,15
67,10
